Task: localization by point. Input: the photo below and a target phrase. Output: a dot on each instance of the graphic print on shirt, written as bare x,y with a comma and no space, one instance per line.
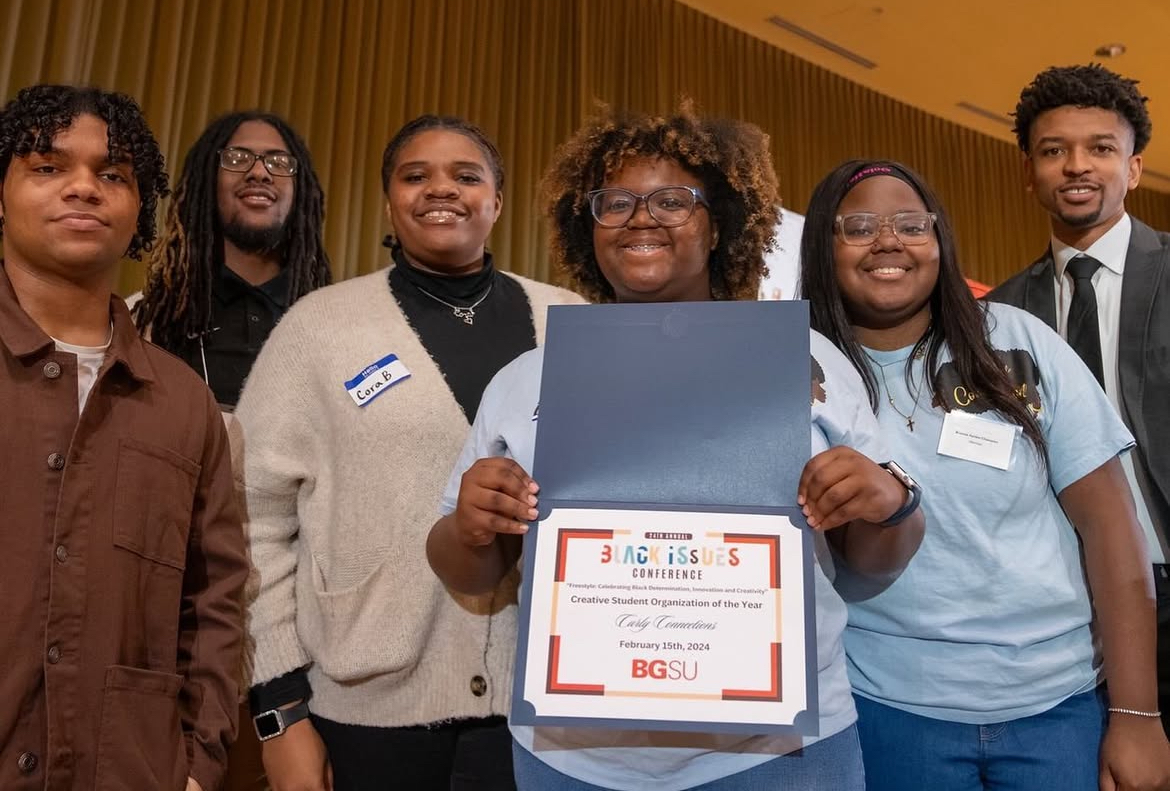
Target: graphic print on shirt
952,394
818,383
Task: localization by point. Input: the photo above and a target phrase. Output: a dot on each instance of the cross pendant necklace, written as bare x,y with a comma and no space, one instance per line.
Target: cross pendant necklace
890,396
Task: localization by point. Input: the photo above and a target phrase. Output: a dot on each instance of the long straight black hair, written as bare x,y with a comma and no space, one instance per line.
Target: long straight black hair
957,320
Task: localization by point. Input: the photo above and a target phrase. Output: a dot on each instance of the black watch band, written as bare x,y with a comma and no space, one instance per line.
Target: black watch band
274,722
902,477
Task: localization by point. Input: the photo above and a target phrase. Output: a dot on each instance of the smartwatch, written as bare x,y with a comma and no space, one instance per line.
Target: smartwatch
902,477
274,722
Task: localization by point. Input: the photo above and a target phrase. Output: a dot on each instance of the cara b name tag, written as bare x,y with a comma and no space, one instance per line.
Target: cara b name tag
977,439
376,379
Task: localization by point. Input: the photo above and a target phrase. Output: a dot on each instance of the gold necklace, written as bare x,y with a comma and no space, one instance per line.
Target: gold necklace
918,355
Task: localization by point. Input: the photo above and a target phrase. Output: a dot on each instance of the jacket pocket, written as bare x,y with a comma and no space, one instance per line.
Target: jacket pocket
379,626
140,741
154,496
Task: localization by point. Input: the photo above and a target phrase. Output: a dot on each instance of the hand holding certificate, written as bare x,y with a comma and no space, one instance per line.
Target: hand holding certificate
669,580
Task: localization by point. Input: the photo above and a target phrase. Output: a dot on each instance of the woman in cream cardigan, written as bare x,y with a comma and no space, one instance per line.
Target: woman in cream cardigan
368,673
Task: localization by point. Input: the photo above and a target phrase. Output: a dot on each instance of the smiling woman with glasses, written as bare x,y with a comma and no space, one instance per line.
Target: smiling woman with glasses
978,668
650,209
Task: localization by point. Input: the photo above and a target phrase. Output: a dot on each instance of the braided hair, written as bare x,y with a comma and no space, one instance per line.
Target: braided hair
176,301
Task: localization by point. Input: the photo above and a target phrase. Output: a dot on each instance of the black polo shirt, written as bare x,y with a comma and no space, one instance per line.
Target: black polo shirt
242,318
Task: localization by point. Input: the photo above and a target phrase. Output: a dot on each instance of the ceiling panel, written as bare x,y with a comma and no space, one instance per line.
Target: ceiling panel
940,56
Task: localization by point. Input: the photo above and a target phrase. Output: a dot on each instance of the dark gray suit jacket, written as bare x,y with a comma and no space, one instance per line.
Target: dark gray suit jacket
1143,354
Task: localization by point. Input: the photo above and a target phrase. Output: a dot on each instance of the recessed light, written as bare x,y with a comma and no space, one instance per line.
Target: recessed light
1110,51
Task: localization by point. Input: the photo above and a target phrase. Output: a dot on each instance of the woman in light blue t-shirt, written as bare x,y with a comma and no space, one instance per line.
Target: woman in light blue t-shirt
977,668
669,210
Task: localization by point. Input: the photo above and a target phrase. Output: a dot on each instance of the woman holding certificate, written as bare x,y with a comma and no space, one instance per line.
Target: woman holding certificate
976,668
671,210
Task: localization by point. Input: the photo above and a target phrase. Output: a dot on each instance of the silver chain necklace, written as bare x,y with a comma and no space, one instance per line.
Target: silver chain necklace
466,313
890,396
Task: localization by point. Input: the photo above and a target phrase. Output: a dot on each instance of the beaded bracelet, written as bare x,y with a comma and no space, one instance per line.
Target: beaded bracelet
1135,712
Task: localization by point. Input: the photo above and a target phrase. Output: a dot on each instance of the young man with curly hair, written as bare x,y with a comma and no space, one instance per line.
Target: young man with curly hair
1104,285
124,558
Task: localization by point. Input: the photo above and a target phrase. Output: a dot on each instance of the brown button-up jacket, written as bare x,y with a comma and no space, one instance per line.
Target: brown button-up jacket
121,568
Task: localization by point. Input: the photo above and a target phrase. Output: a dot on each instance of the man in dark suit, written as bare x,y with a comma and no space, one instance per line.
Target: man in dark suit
1104,282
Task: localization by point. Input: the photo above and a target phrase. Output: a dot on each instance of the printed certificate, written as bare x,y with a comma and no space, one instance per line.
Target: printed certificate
667,584
689,620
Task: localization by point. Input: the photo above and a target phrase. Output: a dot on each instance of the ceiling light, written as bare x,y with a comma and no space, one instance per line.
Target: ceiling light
1110,51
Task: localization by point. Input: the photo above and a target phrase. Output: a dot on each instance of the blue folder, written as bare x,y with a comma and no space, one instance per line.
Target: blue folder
700,406
688,404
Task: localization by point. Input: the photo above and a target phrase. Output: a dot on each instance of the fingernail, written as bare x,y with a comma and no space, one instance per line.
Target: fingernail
532,514
532,499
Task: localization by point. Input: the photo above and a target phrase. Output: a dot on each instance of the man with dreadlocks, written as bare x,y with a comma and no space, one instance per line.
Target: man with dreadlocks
1104,285
242,243
123,554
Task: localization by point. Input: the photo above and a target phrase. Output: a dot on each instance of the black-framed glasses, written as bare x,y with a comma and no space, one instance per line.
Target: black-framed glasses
863,228
669,206
241,160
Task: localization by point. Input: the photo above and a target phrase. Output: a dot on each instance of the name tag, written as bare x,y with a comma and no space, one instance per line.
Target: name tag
376,379
978,439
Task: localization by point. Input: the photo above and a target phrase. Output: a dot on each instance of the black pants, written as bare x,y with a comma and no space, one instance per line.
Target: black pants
465,755
1162,589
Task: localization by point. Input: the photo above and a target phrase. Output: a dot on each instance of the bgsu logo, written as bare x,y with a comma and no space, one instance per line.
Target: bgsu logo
674,670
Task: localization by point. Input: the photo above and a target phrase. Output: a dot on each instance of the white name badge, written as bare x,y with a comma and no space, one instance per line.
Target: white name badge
978,439
376,379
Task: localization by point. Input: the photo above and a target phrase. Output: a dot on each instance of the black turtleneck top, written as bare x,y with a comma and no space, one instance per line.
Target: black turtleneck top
467,354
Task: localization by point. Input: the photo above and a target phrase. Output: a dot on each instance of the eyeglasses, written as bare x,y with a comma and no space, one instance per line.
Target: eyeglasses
668,206
241,160
863,228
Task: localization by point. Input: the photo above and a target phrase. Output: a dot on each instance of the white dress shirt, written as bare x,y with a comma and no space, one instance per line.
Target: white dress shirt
1110,250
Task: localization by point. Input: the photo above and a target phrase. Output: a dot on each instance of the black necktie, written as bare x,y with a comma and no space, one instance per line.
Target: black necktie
1084,333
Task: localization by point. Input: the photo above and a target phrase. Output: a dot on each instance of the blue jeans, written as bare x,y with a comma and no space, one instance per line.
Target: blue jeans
832,764
1056,750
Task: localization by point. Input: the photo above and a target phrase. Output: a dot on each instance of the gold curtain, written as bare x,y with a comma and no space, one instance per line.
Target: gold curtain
348,73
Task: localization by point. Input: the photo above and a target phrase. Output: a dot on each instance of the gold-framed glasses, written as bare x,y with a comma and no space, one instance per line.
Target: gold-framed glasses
863,228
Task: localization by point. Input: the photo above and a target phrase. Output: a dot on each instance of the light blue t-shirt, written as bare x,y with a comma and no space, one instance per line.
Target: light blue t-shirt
660,760
991,619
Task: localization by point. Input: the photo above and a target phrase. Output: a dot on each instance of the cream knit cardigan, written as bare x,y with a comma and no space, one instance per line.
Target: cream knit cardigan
340,499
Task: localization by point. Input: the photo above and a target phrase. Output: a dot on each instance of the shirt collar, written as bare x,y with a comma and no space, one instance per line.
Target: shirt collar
127,346
18,331
229,286
1110,249
24,337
